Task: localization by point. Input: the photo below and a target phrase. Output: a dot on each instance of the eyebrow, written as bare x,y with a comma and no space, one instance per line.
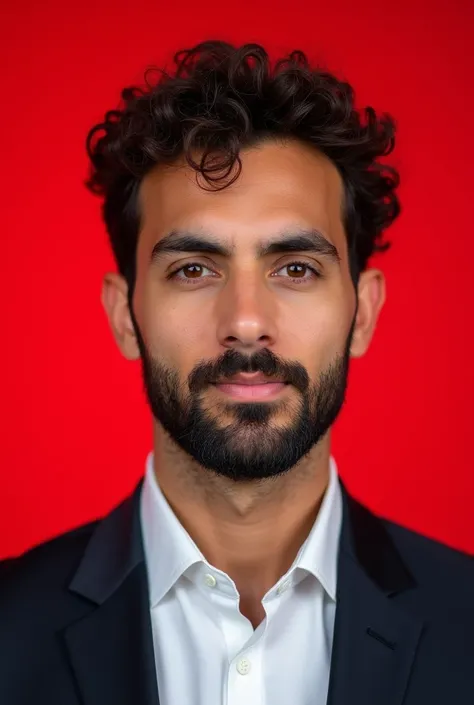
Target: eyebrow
182,241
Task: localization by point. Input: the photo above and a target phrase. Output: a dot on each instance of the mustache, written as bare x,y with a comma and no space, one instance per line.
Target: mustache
232,362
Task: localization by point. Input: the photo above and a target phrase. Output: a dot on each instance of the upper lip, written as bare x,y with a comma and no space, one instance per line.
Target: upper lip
250,378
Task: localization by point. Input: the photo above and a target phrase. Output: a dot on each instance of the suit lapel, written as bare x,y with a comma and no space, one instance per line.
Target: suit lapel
111,648
375,640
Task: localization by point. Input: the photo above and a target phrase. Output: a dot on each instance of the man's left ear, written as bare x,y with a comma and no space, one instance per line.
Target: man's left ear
371,292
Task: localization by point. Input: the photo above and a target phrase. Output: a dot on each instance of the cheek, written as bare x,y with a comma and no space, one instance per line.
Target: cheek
176,338
315,330
318,335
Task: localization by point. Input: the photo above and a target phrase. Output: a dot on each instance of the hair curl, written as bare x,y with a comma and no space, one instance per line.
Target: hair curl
221,99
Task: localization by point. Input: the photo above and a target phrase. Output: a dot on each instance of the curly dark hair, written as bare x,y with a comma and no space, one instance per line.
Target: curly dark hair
223,98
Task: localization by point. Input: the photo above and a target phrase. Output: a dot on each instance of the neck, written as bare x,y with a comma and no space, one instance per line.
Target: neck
252,531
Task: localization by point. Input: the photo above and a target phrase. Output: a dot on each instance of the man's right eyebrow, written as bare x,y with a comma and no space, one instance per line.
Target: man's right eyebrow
182,241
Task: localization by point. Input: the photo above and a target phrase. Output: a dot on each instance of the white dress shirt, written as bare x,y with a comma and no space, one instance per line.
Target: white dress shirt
206,651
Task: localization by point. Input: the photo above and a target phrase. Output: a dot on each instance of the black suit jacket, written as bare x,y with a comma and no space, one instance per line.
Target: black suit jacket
75,626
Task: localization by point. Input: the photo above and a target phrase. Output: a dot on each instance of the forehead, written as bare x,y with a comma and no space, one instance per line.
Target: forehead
281,184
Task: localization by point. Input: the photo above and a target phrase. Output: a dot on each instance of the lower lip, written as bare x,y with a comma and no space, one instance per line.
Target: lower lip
252,391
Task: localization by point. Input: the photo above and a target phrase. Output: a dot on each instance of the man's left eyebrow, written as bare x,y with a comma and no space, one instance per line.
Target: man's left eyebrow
178,241
300,241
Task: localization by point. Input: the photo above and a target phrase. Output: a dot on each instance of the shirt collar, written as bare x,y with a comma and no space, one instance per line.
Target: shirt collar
318,554
170,550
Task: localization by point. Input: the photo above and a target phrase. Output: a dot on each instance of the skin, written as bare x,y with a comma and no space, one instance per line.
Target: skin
251,528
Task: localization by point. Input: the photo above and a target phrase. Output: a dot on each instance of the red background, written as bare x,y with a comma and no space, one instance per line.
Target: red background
75,427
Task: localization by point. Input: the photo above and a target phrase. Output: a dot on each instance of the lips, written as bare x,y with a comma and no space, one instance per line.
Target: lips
250,379
251,386
251,392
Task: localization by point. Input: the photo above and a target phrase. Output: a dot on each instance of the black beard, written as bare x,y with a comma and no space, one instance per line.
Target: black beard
248,448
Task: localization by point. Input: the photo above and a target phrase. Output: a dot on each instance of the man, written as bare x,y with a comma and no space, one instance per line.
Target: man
243,201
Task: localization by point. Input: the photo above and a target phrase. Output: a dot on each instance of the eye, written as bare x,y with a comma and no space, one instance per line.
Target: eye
297,269
194,270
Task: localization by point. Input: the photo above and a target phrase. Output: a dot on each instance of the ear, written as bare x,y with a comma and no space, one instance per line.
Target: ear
371,292
115,302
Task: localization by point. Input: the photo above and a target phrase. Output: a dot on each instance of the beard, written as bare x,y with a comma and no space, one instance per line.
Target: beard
246,446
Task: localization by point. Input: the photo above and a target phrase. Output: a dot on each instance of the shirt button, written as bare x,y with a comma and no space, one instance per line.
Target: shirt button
243,666
210,580
284,586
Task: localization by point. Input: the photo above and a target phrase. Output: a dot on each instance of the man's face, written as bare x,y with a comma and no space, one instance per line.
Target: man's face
209,315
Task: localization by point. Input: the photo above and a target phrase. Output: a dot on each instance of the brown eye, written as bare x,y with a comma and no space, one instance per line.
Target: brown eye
189,272
297,271
193,270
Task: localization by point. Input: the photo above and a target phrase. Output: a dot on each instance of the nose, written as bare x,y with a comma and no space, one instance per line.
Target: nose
246,315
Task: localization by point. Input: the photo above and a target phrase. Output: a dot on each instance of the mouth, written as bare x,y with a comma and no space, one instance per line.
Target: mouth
252,386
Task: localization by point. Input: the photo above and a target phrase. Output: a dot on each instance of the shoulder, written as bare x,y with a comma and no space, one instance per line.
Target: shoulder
430,551
43,569
35,606
438,569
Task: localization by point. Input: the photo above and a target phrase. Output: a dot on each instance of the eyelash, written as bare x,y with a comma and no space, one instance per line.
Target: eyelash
172,275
